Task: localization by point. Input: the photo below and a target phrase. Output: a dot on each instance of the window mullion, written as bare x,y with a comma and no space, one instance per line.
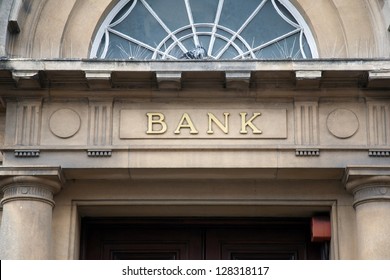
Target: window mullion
192,24
216,22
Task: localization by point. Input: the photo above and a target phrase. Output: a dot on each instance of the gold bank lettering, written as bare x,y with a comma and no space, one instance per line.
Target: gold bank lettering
157,123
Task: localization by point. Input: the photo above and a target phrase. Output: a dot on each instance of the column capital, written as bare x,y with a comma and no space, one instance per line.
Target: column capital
38,183
368,184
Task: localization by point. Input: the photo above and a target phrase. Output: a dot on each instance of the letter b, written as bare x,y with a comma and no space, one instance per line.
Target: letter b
156,119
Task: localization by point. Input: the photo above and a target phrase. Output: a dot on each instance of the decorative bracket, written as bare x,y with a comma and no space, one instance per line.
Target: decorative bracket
26,79
98,79
378,79
308,79
14,19
237,80
168,80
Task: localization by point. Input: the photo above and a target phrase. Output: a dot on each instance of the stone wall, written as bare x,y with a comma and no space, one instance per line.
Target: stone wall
49,32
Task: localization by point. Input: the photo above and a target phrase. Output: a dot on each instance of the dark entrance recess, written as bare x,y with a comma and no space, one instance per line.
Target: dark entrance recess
198,238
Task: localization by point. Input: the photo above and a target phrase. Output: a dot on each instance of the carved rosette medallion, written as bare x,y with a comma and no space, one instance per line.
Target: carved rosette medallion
64,123
342,123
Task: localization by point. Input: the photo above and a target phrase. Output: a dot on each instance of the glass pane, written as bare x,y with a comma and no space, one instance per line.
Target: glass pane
229,53
241,45
142,25
176,52
183,33
101,48
173,18
285,49
166,45
203,29
154,24
285,12
266,26
224,33
218,46
235,13
122,11
204,41
189,43
204,11
306,47
123,49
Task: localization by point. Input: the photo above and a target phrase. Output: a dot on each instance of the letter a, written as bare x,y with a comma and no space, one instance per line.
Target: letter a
186,122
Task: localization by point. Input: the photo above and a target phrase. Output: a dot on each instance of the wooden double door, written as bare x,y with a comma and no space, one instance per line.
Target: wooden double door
196,239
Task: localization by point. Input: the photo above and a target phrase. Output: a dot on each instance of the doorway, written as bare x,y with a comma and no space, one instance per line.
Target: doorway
197,239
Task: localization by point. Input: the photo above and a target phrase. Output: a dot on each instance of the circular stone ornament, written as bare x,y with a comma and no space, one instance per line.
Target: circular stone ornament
64,123
342,123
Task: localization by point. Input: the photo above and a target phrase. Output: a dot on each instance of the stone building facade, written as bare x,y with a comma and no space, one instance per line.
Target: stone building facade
194,157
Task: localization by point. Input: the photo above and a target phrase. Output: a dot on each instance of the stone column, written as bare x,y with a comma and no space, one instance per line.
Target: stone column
27,217
371,190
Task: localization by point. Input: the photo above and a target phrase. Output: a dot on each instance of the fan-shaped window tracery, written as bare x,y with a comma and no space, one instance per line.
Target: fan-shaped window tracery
204,29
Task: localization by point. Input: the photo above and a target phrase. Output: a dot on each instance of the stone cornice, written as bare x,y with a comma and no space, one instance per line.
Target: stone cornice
378,66
87,74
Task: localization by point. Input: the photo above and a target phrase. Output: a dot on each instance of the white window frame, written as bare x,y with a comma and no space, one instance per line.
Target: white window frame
105,27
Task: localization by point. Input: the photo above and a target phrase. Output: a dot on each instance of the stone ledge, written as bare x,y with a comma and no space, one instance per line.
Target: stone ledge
95,74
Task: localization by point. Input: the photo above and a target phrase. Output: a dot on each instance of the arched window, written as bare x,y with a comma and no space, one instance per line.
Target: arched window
204,29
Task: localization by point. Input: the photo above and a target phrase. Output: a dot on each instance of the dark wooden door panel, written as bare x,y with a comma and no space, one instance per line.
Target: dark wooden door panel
259,241
119,240
146,251
261,251
171,239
